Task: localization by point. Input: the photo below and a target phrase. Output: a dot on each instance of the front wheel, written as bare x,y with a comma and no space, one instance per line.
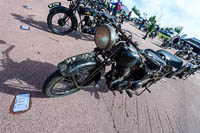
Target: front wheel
60,22
58,85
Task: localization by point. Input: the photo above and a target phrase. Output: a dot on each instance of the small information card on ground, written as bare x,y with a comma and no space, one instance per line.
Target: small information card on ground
22,102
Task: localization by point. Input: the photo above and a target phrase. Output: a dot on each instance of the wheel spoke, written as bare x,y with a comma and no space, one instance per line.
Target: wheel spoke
74,80
61,23
69,84
59,15
63,86
67,19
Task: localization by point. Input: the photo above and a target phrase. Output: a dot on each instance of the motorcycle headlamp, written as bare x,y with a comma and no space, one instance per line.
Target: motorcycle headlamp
105,36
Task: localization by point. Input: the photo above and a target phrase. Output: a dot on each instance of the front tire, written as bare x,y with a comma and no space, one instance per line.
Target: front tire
61,26
51,81
68,83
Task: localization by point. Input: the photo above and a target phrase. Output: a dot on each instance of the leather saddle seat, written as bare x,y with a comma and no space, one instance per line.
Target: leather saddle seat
170,59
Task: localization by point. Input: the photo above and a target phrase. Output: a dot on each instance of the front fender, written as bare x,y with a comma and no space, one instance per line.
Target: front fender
79,62
59,8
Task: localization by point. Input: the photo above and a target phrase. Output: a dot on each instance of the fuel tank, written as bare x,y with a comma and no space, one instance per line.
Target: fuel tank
128,57
86,11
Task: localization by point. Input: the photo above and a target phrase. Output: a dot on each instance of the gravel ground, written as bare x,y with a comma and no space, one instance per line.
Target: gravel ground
27,58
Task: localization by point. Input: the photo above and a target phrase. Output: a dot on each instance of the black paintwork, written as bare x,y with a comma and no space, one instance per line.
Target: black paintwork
155,56
171,59
128,57
70,65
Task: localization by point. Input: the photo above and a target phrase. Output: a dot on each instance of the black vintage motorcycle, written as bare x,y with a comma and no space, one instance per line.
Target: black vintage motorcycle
184,51
166,44
131,67
62,20
191,56
188,69
190,72
153,34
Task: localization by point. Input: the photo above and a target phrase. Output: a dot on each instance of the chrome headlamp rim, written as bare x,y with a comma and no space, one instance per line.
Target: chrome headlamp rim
112,36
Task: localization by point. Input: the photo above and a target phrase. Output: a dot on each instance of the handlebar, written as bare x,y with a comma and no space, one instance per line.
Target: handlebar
113,23
127,39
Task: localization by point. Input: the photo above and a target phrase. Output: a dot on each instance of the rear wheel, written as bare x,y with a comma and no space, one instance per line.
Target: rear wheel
59,23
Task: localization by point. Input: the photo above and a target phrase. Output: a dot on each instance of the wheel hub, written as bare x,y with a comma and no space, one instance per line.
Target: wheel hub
61,22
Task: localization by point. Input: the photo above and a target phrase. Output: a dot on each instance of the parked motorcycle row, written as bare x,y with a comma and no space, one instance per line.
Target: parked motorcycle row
132,70
62,20
146,25
185,52
137,22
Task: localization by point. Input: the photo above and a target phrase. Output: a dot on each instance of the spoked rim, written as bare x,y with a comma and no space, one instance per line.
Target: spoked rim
69,84
61,23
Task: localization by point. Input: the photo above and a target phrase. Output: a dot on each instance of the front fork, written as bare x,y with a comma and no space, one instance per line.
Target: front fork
69,14
108,60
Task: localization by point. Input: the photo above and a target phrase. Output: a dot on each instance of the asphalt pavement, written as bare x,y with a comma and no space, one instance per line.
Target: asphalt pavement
28,57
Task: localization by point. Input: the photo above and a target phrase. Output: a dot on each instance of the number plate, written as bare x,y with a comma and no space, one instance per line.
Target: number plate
22,102
54,4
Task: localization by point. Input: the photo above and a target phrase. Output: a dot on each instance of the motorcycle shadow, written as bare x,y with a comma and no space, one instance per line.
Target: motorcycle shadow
156,43
28,76
2,42
29,20
77,35
95,91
